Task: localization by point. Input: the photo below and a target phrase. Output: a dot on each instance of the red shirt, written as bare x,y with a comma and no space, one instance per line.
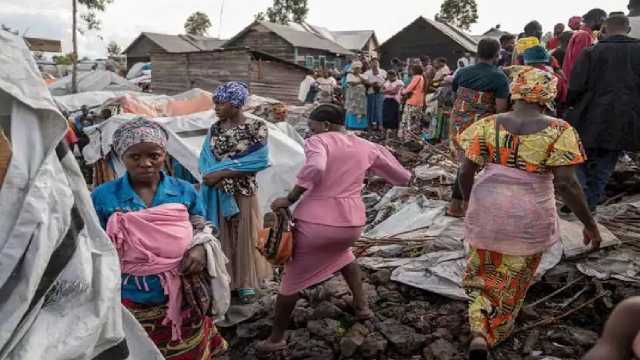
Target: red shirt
553,43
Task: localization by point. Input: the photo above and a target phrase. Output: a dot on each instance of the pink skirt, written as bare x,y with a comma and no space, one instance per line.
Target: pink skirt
512,212
319,251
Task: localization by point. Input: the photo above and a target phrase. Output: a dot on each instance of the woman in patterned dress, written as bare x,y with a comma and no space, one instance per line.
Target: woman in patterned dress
236,137
512,218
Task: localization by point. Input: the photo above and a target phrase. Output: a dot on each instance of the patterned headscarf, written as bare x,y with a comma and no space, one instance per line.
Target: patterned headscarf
575,23
532,85
137,131
234,92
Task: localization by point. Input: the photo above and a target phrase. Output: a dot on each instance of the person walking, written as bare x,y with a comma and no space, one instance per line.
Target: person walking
330,214
604,92
512,218
481,90
391,107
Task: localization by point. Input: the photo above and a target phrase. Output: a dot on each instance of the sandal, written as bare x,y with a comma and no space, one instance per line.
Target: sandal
268,347
456,209
247,296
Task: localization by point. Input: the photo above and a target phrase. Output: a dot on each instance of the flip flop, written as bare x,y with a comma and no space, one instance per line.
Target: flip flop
247,296
478,351
267,347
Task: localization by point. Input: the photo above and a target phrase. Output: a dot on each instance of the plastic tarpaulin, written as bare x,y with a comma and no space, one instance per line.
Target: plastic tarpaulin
186,134
59,274
93,99
92,81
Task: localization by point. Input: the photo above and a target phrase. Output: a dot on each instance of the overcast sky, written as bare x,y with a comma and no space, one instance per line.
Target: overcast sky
125,19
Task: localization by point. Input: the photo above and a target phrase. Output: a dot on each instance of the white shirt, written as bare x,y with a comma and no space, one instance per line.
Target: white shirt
379,79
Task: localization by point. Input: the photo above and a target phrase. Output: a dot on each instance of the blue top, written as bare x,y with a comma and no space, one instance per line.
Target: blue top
119,195
483,77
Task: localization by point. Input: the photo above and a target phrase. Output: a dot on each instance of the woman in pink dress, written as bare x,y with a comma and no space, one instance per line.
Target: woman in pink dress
330,215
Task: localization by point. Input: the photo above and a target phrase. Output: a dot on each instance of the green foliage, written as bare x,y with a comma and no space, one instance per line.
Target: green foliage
461,13
285,11
66,59
90,18
113,49
197,24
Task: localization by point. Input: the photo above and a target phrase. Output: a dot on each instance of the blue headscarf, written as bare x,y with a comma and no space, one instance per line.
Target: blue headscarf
234,92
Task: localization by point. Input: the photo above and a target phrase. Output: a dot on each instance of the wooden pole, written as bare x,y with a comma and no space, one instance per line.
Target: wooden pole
74,57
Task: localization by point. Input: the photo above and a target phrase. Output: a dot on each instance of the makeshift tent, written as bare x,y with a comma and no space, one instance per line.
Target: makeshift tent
92,81
59,273
187,133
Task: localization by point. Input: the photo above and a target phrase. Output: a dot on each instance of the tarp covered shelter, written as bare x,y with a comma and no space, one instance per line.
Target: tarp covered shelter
93,81
59,273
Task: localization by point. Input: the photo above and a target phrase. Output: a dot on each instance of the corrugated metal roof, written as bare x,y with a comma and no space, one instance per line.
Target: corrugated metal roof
304,39
180,43
353,40
463,39
460,37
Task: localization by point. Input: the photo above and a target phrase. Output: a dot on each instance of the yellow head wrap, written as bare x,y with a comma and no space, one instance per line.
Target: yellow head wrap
533,85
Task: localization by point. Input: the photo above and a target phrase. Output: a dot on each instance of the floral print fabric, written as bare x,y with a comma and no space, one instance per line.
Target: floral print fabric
556,145
236,142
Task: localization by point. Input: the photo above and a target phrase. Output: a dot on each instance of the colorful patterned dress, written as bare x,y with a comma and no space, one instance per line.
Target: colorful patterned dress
239,234
497,282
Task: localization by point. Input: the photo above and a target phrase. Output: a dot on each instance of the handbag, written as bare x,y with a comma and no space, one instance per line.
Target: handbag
276,243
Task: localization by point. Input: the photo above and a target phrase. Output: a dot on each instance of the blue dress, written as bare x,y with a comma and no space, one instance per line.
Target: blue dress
119,195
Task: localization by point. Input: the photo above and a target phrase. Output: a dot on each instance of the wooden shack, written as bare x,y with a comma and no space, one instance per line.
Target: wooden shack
294,42
428,37
141,48
265,74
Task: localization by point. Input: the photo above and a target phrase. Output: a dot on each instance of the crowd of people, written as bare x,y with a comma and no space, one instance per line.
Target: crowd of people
530,120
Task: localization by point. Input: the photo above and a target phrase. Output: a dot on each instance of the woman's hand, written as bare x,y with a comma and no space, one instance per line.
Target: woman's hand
592,236
194,261
213,179
280,203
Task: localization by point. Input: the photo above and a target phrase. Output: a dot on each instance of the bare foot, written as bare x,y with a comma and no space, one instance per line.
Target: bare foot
269,346
456,209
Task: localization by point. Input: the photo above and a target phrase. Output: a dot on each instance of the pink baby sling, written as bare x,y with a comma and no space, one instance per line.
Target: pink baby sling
153,242
512,212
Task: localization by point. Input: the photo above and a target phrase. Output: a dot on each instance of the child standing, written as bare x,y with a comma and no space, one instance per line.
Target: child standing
391,105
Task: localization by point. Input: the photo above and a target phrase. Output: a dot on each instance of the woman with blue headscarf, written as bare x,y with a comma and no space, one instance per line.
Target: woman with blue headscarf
234,152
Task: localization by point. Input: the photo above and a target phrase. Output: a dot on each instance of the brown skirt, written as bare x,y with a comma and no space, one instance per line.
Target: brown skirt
239,236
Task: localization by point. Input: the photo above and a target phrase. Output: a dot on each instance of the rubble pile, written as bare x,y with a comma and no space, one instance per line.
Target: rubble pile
413,257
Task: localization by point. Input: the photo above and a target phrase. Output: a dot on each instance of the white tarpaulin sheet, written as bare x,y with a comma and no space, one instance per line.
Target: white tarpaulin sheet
98,80
187,133
93,99
59,274
439,271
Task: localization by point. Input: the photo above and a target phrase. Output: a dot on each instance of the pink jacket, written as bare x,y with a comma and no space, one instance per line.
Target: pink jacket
333,174
153,242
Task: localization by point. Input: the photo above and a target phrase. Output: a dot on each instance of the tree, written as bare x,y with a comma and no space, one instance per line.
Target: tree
91,22
285,11
65,59
197,24
461,13
113,49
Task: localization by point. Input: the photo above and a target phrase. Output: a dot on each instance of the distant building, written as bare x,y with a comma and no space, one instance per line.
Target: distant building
140,49
302,44
364,42
43,45
428,37
494,33
265,74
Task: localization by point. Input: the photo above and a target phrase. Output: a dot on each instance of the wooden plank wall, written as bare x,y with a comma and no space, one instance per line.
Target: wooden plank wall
276,80
418,39
176,73
260,38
